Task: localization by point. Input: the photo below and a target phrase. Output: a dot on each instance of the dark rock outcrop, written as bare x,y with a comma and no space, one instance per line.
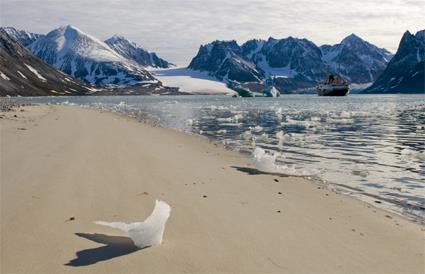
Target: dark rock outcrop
405,71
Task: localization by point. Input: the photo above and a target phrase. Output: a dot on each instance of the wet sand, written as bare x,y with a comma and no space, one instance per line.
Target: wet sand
62,168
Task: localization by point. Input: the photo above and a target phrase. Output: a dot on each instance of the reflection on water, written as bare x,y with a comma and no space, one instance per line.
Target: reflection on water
369,146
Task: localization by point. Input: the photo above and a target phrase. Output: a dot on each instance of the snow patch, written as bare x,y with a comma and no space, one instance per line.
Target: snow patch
2,75
191,81
284,72
22,75
33,70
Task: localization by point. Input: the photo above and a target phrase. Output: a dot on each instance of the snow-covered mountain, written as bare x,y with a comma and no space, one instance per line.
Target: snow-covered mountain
23,37
405,72
356,59
134,52
23,74
293,63
286,58
88,59
224,60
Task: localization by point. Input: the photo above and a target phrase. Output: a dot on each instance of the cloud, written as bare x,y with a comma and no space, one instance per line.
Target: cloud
176,28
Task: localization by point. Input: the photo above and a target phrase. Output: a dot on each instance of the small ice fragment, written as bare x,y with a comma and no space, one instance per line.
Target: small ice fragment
279,112
247,135
280,135
263,137
237,117
360,170
148,232
189,122
267,163
257,129
408,153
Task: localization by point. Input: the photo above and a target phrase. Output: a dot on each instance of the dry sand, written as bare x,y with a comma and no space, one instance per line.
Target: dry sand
62,168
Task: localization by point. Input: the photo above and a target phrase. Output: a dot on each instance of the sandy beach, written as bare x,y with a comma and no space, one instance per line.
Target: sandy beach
63,168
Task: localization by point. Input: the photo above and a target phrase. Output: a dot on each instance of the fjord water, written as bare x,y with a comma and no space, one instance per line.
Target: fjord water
368,146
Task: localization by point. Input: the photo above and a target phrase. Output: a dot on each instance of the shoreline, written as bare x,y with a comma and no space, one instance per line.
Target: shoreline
61,162
358,195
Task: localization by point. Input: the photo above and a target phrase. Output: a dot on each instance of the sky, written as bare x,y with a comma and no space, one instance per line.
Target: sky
176,28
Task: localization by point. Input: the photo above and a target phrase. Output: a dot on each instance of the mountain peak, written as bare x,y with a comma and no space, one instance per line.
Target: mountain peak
225,42
8,29
405,72
24,37
69,28
118,37
86,58
407,33
420,35
28,75
134,52
71,32
352,38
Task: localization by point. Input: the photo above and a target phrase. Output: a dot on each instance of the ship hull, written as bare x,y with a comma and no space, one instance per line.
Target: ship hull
335,91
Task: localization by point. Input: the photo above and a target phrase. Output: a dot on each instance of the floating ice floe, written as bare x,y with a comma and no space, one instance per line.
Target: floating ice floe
267,163
410,153
234,119
360,170
279,112
148,232
246,135
263,137
189,122
256,128
283,137
228,119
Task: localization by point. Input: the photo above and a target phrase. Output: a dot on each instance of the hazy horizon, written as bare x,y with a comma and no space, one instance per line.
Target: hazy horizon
176,29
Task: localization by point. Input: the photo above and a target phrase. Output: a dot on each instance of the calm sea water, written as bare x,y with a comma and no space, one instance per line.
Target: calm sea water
368,146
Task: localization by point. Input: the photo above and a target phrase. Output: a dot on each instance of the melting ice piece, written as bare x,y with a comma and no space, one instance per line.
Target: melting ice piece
267,163
149,232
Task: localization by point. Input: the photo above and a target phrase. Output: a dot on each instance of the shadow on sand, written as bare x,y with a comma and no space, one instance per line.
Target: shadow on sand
253,171
115,246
